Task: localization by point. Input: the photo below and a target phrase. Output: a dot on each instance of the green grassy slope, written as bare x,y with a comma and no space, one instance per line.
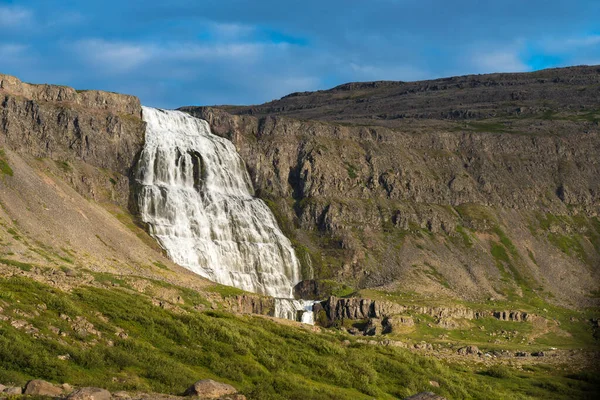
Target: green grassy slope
165,351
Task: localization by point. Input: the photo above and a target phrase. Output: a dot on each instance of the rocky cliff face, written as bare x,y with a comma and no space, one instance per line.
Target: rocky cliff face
501,207
102,130
496,207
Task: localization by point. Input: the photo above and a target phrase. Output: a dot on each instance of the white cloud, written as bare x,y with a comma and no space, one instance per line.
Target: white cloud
562,45
118,57
231,30
199,51
15,17
10,50
113,57
506,60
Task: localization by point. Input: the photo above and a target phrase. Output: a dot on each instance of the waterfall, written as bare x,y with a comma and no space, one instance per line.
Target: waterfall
196,196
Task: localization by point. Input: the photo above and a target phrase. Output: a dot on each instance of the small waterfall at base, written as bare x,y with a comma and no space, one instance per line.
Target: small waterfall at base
196,196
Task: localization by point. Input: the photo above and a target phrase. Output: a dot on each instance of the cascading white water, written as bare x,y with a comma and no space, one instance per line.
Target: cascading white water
197,199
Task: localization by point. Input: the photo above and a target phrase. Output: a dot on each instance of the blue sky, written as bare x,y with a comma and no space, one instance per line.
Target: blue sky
183,52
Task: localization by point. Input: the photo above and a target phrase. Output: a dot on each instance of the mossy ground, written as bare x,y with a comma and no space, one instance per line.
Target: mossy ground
166,351
5,168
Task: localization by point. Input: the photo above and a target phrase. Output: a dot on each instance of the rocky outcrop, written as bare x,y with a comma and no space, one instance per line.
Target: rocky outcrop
90,393
385,316
93,136
251,304
366,202
358,308
91,99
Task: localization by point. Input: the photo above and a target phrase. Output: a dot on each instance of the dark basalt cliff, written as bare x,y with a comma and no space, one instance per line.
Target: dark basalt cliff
476,208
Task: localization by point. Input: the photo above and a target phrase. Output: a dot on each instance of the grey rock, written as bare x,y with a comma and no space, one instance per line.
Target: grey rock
13,390
39,387
209,389
469,350
90,393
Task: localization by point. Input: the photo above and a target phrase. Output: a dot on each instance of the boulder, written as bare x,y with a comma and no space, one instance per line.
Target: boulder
469,350
209,389
13,390
425,396
373,327
398,324
90,393
2,387
38,387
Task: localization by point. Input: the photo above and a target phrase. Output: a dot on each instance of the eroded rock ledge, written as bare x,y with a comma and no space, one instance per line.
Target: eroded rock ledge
337,309
93,136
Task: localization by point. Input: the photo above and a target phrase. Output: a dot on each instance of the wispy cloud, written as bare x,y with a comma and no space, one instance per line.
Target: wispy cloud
229,31
9,50
569,44
114,57
118,57
15,17
502,60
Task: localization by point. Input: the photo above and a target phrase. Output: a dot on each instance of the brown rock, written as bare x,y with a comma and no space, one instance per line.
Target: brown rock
38,387
90,393
209,389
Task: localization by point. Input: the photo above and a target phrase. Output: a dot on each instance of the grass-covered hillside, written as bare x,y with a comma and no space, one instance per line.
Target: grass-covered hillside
117,338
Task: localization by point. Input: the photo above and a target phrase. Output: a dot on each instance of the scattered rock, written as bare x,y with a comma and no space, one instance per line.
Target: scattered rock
209,389
83,327
121,395
469,350
423,346
90,393
521,354
538,354
66,387
354,331
434,383
425,396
